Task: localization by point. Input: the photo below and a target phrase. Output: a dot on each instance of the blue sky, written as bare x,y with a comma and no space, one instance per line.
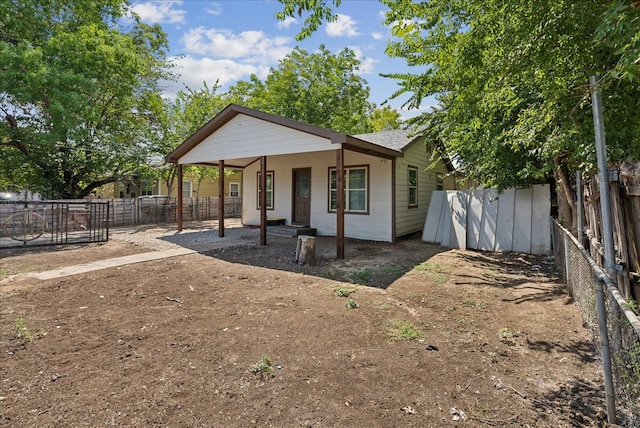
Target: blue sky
227,40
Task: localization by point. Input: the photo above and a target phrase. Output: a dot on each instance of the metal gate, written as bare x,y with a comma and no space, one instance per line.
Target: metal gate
33,223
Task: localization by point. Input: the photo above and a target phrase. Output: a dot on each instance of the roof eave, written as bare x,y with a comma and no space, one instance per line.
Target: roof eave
231,111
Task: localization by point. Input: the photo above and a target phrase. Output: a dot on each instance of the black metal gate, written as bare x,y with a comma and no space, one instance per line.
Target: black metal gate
33,223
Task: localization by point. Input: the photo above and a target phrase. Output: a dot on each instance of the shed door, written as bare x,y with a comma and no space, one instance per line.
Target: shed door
302,196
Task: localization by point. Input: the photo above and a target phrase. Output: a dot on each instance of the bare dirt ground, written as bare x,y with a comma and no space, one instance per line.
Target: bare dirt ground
240,336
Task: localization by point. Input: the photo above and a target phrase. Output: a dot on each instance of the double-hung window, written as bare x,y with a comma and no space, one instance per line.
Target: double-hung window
234,189
356,189
412,181
269,176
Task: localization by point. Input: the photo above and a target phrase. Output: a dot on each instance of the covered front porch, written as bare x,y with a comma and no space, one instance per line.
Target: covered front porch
306,165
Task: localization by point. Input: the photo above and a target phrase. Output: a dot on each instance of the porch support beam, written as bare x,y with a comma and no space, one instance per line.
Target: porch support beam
340,203
393,200
263,200
221,198
179,167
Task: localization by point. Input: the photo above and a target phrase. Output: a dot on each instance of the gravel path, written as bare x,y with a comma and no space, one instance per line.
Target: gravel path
200,236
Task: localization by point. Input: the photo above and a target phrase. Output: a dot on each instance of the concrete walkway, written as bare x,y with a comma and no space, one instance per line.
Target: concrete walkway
108,263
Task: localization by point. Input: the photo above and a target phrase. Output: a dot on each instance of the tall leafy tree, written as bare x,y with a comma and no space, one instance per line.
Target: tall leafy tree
318,88
78,94
182,117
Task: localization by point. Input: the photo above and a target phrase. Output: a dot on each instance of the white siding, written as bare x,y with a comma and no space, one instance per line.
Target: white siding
412,219
375,226
245,137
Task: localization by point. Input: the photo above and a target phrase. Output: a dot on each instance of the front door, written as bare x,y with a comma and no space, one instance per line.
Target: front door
302,196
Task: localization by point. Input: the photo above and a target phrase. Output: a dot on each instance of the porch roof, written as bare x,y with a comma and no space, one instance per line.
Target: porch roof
239,151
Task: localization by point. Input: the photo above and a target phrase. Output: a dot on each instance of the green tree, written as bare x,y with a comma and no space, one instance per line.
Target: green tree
180,119
318,88
77,94
384,119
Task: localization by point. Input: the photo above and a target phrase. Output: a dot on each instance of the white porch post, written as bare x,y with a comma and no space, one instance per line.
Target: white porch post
340,203
263,200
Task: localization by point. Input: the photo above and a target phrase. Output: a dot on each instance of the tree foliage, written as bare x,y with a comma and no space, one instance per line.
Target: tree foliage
78,96
318,88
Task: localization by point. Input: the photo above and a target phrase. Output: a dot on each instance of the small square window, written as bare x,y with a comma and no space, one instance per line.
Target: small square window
234,189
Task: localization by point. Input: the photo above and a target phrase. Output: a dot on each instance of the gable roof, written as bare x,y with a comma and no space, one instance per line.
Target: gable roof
233,110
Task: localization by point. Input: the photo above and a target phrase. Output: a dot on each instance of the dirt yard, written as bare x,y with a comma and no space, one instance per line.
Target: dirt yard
404,335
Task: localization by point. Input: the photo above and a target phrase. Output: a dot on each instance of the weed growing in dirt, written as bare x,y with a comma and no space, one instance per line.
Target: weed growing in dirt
363,277
351,304
391,270
505,333
384,306
484,410
438,278
344,291
436,269
433,267
24,333
263,366
506,336
492,274
402,330
493,357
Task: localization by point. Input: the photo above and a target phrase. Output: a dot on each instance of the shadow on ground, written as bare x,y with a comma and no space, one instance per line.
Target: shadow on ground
375,264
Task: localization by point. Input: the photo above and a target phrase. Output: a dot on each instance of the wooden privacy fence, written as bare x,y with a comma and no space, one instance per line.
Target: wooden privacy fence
625,212
162,210
488,220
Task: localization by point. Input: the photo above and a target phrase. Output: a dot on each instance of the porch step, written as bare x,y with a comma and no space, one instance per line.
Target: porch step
291,230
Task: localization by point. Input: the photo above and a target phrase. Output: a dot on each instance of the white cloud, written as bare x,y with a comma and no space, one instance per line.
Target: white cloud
343,26
192,72
161,12
214,9
288,22
253,46
367,64
377,36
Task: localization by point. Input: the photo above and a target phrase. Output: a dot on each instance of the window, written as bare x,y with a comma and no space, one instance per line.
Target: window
234,189
269,190
356,190
439,181
186,189
412,181
146,188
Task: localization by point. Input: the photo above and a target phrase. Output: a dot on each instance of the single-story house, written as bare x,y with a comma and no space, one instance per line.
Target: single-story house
292,171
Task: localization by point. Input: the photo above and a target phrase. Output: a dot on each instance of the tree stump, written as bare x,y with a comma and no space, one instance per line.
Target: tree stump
306,250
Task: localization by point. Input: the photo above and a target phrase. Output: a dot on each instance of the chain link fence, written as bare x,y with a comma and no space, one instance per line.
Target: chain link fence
582,276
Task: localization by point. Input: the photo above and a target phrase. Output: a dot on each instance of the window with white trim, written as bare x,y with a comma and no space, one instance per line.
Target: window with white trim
356,189
412,183
146,188
269,177
186,189
234,189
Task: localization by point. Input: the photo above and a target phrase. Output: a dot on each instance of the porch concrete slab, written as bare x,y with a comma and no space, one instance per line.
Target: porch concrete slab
108,263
